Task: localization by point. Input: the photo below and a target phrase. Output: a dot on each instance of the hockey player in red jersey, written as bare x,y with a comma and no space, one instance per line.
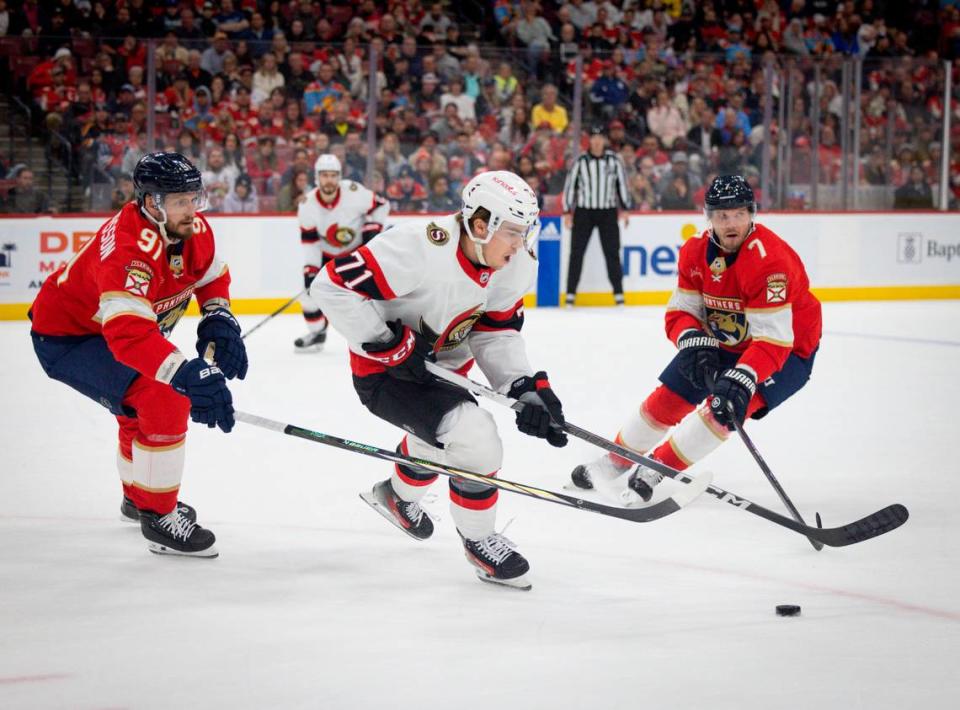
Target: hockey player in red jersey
336,217
451,289
100,325
742,314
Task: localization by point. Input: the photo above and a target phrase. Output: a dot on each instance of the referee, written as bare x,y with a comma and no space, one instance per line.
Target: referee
596,187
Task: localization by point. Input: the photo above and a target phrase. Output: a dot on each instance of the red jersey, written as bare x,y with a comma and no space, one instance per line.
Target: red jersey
131,286
756,302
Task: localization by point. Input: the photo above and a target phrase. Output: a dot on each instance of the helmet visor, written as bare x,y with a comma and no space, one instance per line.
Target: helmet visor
183,201
517,235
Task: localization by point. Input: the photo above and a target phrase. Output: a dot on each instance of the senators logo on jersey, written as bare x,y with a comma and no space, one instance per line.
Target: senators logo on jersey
339,236
455,333
437,235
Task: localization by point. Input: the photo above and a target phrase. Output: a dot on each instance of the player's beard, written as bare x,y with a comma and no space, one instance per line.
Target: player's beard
328,196
182,230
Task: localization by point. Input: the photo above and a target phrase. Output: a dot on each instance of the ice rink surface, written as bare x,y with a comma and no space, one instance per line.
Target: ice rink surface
317,602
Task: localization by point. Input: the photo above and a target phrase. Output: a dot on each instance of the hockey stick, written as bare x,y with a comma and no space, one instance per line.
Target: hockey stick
873,525
636,515
270,317
748,442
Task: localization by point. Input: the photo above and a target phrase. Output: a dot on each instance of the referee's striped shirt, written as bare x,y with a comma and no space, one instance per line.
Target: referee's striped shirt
597,183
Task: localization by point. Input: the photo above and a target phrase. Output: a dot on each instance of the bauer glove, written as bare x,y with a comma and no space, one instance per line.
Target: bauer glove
206,387
220,329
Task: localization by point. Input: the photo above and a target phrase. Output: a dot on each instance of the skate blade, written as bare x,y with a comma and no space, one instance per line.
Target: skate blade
309,350
368,498
124,519
520,583
158,549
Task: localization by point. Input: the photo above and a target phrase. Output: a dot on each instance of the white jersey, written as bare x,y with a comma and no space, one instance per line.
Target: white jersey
418,273
338,227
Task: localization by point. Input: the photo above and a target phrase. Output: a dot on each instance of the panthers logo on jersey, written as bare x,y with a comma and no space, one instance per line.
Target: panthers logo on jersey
729,328
339,236
726,319
167,321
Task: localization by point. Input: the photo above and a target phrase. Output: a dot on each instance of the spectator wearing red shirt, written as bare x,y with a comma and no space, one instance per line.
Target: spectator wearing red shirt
405,193
265,167
42,75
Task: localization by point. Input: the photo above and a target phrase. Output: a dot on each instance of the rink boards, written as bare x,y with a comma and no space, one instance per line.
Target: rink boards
861,256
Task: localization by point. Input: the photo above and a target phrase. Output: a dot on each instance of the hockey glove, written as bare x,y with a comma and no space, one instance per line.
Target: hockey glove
309,274
219,328
733,391
542,413
370,230
205,385
698,356
404,355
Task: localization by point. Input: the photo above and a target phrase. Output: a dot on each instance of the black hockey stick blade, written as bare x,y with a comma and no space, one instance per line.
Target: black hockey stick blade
883,521
874,525
639,514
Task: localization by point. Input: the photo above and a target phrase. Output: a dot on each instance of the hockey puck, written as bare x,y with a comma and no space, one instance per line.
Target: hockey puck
788,610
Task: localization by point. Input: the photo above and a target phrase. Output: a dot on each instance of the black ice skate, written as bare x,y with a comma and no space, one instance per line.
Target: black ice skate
174,534
130,514
312,342
643,480
497,561
409,517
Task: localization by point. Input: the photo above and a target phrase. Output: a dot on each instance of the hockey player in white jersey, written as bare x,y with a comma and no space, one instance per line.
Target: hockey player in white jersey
336,217
449,288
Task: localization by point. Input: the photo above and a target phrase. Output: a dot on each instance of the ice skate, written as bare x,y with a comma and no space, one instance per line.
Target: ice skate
130,514
607,478
643,480
174,534
312,342
497,561
409,517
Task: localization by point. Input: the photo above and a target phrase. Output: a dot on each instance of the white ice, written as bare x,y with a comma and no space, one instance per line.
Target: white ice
317,602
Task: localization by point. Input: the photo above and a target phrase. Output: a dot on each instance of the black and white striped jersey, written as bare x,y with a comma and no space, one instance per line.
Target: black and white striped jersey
597,183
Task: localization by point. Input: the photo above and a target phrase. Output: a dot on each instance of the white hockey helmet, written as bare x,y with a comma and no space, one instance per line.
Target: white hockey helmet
507,197
327,163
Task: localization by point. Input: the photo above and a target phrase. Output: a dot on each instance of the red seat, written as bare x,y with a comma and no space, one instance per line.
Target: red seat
22,66
84,46
340,14
10,46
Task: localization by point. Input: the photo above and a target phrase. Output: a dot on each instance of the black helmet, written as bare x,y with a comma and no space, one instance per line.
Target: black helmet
162,173
728,192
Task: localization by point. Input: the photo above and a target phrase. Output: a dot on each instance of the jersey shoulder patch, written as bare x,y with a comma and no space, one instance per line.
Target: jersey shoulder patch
437,235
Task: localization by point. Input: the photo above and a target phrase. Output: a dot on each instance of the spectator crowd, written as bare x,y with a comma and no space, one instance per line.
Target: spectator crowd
253,90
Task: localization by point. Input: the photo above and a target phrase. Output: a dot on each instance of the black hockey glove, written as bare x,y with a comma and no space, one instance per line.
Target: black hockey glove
205,385
733,390
370,230
698,356
541,409
219,328
404,355
309,274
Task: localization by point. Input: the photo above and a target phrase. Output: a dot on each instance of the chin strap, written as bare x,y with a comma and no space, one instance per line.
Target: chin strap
161,226
478,250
